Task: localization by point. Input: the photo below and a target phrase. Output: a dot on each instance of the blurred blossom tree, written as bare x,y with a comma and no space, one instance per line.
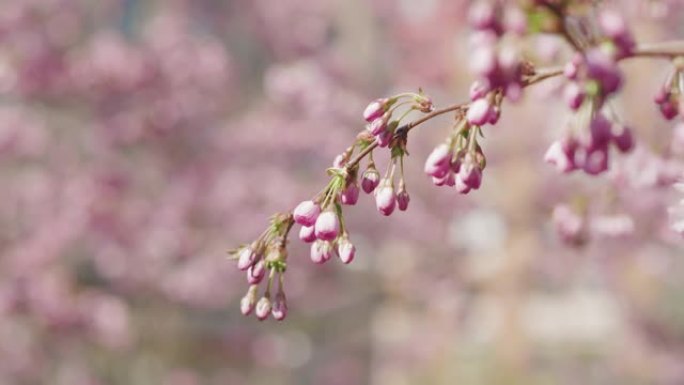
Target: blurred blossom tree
139,137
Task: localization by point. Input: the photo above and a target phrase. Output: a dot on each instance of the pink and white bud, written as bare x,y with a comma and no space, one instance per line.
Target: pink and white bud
669,110
479,112
478,90
470,173
379,125
350,195
279,310
306,213
248,302
345,250
370,180
375,109
339,161
447,180
482,15
573,95
327,226
438,162
403,198
307,234
483,61
461,186
596,161
384,139
246,258
385,200
321,252
256,272
263,308
561,154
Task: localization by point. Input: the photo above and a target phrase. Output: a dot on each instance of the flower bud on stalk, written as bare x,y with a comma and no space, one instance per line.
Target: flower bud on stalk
248,302
246,258
279,310
327,226
385,200
376,109
306,213
350,195
263,308
256,272
438,162
345,249
321,252
370,179
307,234
403,197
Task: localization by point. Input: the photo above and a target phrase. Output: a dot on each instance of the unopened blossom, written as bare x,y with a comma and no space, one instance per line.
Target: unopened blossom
447,180
480,112
403,198
438,162
384,138
461,186
385,200
256,272
614,26
307,234
321,251
379,125
622,138
306,213
370,179
279,310
263,308
596,160
345,249
573,95
561,154
470,173
246,258
327,226
600,129
248,302
375,109
350,195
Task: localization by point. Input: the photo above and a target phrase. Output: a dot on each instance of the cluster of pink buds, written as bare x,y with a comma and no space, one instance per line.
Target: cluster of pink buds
590,151
459,162
669,97
379,114
266,260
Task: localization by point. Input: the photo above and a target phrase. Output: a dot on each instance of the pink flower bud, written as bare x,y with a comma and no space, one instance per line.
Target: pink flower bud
479,112
438,162
375,109
562,155
345,250
596,161
263,308
669,110
321,252
447,180
470,173
379,125
461,186
482,15
483,61
256,272
327,226
600,129
306,213
248,302
603,68
573,95
478,90
384,138
350,195
370,180
403,199
307,234
246,258
339,161
279,310
384,198
568,224
623,138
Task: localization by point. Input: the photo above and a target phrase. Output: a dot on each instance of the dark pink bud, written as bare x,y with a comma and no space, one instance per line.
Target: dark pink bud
495,115
263,308
384,138
403,199
385,200
603,68
307,234
327,226
600,129
256,272
370,180
623,138
661,96
479,112
437,163
375,109
573,95
345,250
596,160
306,213
279,310
246,258
350,195
669,110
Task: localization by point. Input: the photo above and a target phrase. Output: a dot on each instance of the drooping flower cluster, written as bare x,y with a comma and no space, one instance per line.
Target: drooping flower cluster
669,97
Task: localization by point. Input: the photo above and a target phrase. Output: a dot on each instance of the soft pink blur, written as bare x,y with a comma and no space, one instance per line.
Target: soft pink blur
142,139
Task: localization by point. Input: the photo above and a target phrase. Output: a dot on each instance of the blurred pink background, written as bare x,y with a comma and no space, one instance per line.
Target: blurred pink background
141,139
